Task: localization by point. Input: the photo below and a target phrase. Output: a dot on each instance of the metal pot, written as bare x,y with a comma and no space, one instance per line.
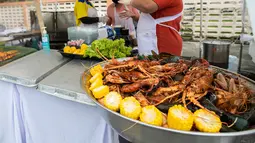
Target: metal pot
217,52
139,132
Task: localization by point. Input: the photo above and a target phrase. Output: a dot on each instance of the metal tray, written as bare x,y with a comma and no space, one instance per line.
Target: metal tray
22,51
29,70
138,132
64,82
80,57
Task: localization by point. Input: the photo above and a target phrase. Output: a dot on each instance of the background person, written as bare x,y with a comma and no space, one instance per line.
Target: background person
125,16
86,14
159,25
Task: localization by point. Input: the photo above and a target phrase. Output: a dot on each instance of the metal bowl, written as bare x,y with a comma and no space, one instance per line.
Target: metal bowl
138,132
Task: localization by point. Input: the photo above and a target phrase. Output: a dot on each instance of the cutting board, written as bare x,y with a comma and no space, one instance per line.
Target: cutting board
22,51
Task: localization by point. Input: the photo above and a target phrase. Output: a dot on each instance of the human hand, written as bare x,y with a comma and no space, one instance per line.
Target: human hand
125,2
103,19
126,14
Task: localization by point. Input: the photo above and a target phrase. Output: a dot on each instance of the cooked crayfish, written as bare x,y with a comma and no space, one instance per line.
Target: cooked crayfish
133,76
193,87
203,78
115,79
145,85
232,95
170,69
157,79
142,99
131,65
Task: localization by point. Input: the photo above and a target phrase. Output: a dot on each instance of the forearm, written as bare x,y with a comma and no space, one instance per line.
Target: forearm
146,6
109,22
89,20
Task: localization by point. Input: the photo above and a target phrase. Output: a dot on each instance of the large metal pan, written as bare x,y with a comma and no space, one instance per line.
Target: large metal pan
139,132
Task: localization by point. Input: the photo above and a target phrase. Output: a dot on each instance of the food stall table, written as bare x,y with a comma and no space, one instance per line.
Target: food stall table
26,71
49,119
65,82
11,130
40,117
67,118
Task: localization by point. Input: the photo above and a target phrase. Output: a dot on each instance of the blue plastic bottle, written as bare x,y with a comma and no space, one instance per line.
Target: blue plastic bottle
45,40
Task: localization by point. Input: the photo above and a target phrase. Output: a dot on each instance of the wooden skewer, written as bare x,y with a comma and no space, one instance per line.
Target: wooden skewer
104,58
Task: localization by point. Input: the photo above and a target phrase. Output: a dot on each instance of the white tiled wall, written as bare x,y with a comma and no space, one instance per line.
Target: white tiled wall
221,18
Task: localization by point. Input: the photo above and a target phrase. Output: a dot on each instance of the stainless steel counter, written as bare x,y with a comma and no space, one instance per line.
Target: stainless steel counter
29,70
66,82
49,73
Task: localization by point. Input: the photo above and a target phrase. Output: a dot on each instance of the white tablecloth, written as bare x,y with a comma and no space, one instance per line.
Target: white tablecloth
29,116
10,124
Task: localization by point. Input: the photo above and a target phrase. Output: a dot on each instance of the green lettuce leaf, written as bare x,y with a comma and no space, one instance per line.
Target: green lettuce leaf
108,48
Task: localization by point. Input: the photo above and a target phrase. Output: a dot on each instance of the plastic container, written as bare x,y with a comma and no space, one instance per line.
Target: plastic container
45,40
88,33
125,35
106,32
233,63
118,29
